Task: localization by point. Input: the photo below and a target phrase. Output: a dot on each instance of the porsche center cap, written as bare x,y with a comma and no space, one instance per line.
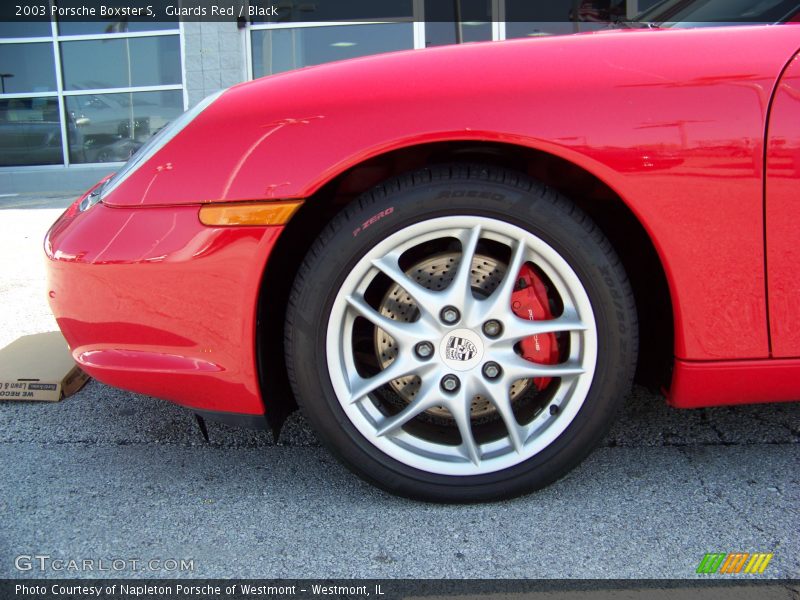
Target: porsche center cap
461,349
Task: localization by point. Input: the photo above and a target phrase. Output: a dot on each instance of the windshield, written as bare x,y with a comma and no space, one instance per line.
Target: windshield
689,13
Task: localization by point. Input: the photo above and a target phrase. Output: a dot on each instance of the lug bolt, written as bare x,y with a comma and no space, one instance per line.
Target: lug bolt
424,349
554,409
450,383
491,370
450,315
492,328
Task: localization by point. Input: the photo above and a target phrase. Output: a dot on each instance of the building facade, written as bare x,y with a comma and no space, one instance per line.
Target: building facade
78,98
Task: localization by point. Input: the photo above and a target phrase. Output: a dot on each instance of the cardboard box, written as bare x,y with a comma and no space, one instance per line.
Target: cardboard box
39,367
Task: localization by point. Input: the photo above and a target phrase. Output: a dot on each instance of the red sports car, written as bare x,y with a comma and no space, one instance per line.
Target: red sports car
456,260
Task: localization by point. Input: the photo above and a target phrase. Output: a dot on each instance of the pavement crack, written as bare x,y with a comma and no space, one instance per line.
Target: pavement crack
712,425
711,493
793,432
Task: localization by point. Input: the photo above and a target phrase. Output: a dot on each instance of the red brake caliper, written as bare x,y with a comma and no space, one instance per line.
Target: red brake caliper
529,301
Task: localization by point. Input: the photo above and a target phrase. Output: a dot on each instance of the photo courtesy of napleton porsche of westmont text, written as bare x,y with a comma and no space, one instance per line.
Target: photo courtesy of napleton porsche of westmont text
409,298
184,590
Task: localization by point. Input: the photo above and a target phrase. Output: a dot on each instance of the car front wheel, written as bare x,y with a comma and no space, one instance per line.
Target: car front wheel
461,333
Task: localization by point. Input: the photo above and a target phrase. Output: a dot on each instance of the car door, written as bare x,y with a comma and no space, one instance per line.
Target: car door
783,214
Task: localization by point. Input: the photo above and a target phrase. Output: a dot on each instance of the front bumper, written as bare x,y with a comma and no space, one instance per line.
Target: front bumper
151,300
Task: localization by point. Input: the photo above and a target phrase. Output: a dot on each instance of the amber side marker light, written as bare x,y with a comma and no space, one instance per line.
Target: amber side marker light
249,213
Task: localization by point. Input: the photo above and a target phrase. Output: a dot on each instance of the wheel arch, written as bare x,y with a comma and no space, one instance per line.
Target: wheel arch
604,205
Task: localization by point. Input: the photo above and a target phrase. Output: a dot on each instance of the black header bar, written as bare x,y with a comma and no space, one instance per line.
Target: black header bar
464,11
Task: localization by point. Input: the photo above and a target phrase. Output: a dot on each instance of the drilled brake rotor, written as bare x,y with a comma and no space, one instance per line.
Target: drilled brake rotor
436,273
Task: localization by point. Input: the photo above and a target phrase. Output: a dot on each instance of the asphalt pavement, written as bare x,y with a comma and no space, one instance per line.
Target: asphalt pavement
107,475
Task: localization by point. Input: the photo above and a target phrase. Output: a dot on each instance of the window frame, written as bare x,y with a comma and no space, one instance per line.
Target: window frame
418,17
417,20
61,94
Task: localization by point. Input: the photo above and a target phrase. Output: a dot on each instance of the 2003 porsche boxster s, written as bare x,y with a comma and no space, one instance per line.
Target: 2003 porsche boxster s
456,260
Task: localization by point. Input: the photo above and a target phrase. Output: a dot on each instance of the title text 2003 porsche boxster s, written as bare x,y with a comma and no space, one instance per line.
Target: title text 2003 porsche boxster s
456,260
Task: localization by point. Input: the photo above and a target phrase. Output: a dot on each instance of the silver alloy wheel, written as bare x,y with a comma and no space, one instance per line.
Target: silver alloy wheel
572,377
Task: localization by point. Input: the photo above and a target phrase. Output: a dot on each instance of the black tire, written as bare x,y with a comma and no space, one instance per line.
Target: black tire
445,191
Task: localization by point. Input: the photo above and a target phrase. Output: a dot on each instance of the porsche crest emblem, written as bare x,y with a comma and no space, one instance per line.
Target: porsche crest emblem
460,349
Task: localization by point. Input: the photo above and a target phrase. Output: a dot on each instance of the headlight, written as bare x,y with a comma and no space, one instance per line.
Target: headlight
153,145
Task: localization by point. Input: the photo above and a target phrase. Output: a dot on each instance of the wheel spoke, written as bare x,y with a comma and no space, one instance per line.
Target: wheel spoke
403,333
459,292
498,393
360,387
460,410
427,301
516,367
498,305
427,397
